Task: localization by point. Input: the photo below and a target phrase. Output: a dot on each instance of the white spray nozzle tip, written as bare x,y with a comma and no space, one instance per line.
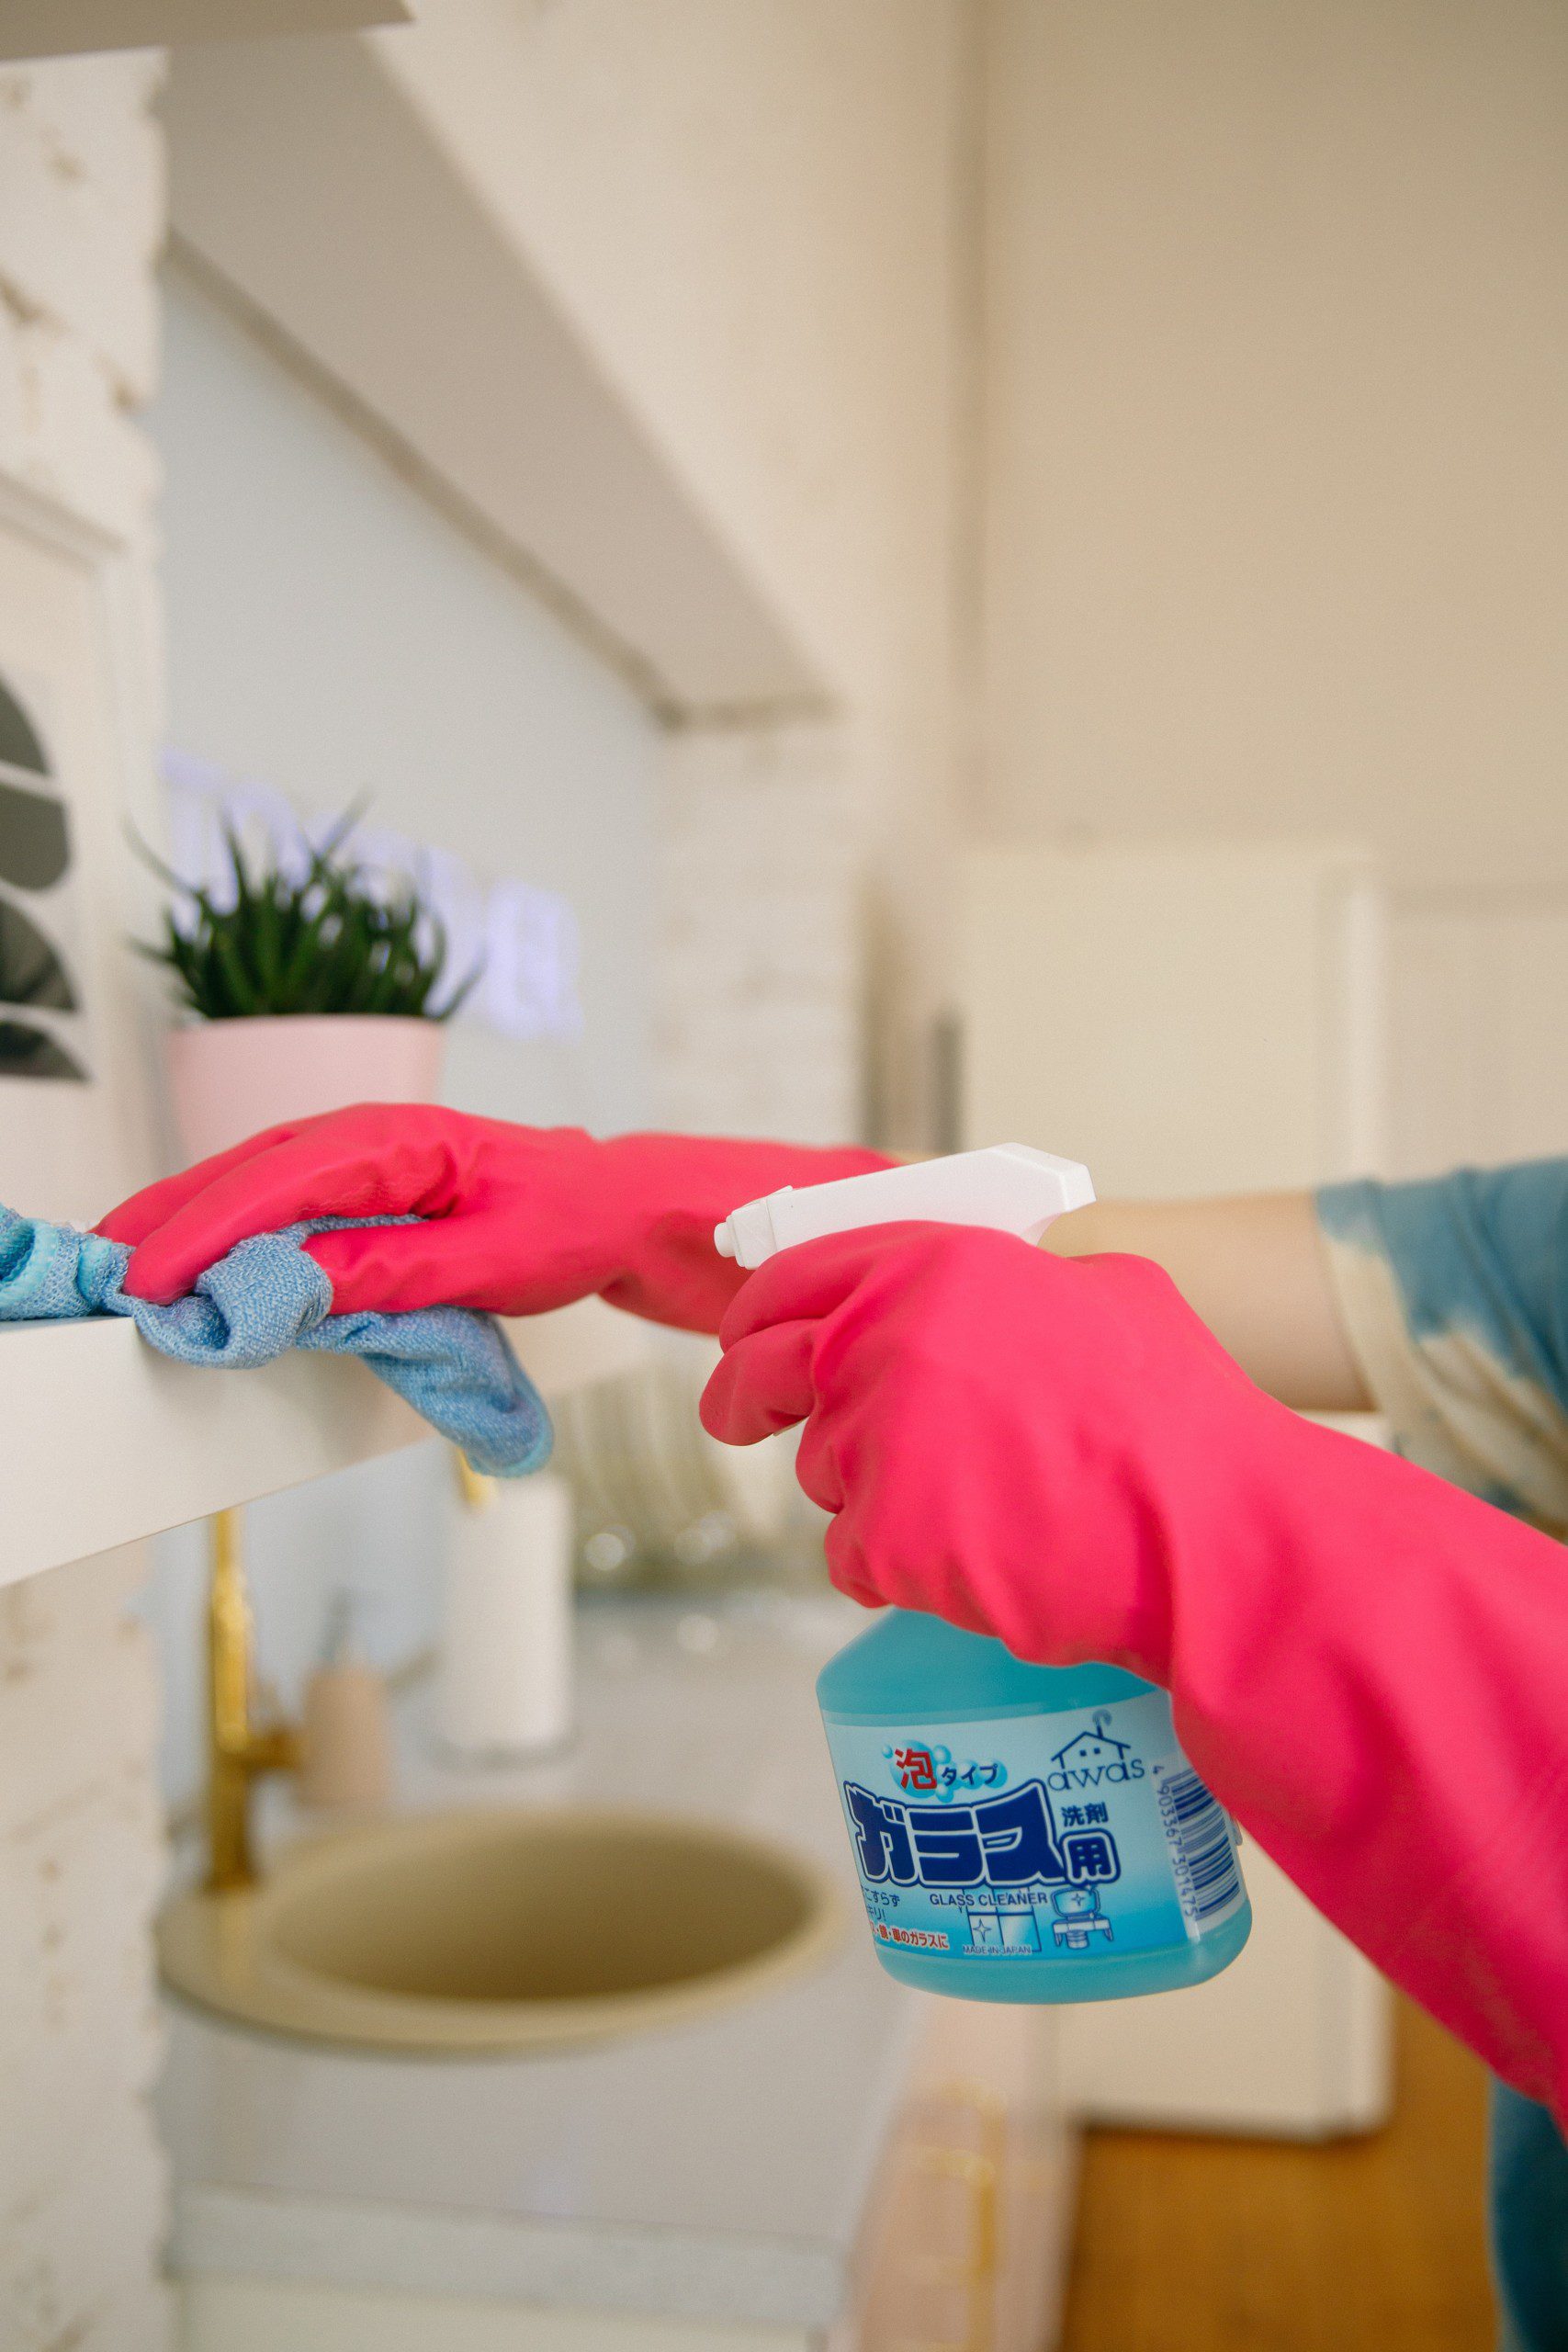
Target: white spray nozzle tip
748,1235
1010,1188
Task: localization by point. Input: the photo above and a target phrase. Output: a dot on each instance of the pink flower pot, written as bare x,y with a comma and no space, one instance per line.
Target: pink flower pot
227,1079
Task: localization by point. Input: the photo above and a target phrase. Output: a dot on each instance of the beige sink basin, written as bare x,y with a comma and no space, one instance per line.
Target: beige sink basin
500,1929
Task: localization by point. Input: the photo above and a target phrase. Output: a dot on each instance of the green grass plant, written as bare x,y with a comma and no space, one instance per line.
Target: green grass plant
335,938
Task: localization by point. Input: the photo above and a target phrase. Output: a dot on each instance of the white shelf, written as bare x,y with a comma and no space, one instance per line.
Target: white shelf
104,1441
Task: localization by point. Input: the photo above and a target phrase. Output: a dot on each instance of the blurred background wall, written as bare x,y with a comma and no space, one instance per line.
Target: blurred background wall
759,217
1276,346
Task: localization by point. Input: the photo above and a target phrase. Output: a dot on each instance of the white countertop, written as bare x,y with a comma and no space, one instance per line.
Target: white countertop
714,2171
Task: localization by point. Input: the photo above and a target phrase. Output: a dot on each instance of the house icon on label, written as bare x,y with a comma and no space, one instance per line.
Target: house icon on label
1092,1748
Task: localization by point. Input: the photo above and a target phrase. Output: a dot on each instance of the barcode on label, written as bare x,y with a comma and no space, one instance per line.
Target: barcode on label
1199,1835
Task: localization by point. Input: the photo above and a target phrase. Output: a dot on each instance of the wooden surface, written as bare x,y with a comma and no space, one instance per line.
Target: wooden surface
1231,2246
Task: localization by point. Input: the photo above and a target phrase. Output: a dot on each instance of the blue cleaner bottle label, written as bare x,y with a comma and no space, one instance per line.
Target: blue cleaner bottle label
1023,1836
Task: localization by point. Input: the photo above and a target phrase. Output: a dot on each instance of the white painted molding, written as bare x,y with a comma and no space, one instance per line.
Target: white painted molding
66,28
105,1441
307,187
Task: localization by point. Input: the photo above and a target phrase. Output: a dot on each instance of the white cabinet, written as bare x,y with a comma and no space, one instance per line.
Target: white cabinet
1192,1020
1291,2040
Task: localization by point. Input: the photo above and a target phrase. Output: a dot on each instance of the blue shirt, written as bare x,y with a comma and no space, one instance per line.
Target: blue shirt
1454,1293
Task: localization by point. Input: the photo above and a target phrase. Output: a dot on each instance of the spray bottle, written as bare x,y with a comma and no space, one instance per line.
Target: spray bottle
1021,1833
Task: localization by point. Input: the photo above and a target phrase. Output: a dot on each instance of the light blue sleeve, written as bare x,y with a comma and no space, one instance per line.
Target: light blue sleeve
1455,1295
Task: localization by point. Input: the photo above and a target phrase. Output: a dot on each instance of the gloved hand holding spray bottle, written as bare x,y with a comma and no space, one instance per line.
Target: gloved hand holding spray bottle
1021,1833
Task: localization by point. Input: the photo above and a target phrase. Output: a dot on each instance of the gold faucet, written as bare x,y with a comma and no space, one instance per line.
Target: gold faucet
239,1749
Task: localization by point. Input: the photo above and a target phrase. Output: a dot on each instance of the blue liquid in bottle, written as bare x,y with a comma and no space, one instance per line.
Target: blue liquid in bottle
1025,1833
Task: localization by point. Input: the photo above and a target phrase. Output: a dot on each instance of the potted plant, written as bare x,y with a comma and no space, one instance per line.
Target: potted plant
306,990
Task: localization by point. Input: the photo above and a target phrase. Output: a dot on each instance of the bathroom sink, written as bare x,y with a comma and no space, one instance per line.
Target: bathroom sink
500,1929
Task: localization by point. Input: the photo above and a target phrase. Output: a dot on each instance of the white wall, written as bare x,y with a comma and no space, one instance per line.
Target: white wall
1279,479
330,634
81,1836
761,958
1275,465
755,217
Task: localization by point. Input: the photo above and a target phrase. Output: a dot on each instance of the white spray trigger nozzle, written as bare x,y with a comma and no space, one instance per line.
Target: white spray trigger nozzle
1011,1187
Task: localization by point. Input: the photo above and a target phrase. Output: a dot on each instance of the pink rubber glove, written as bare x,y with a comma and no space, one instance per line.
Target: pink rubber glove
1368,1667
516,1220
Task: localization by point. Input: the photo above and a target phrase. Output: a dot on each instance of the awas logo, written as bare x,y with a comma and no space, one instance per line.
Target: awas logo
1009,1840
1094,1759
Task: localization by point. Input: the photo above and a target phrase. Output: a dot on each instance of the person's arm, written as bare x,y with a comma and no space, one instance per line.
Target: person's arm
1366,1666
1255,1269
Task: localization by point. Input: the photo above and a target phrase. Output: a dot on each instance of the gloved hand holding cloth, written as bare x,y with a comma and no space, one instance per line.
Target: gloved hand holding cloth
512,1220
1366,1666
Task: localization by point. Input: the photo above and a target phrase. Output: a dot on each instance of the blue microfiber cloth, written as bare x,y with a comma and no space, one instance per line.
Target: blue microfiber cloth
454,1367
